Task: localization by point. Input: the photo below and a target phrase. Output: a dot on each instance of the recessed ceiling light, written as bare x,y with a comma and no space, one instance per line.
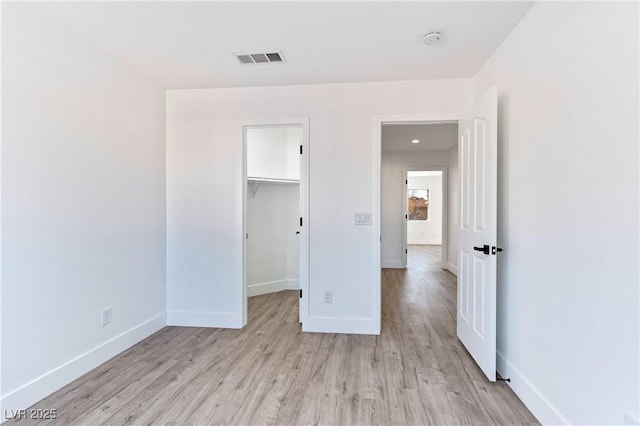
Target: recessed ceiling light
415,141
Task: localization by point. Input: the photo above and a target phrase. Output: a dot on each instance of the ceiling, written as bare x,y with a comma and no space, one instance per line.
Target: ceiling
432,137
190,44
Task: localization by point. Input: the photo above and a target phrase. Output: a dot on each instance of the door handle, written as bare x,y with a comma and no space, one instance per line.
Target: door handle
485,249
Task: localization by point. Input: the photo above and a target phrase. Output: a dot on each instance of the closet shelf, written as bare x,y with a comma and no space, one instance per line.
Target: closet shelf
273,180
255,182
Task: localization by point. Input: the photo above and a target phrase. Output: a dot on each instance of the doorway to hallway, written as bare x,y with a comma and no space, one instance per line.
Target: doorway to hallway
477,176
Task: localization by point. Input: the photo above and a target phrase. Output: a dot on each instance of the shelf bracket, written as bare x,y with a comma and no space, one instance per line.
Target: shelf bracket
254,186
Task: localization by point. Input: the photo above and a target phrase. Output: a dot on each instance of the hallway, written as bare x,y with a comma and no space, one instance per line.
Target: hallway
424,257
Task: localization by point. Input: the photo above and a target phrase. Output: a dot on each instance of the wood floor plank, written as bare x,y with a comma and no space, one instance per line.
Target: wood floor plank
270,373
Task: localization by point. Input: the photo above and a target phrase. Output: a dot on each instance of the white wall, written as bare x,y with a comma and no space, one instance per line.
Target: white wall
205,192
427,231
392,201
568,216
273,152
83,186
453,212
266,226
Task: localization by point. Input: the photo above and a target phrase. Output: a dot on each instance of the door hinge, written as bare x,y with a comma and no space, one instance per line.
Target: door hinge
406,251
495,249
300,293
247,236
300,149
406,216
406,182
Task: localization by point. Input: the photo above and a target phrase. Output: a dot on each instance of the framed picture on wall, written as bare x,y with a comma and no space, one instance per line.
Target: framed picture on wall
418,204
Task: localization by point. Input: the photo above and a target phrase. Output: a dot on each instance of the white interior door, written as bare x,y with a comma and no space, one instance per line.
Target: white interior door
477,237
303,304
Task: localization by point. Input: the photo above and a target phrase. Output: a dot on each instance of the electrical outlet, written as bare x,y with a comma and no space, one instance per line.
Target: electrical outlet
106,316
328,296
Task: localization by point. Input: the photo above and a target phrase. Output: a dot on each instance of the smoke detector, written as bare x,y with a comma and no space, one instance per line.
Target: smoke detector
431,38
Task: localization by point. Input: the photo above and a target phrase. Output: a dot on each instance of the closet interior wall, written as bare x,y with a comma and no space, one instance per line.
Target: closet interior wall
273,209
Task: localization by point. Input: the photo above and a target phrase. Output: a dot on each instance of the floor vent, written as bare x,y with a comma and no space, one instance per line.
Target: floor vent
259,58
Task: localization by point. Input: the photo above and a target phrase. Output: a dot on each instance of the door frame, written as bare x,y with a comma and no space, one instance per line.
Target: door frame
378,121
444,258
241,293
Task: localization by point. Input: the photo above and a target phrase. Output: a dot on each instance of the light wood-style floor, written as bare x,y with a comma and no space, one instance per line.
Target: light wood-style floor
416,372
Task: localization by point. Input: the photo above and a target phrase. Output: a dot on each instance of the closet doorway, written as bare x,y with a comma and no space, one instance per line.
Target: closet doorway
275,254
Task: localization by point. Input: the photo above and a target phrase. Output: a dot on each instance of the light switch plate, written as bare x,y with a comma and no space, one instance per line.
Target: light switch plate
362,218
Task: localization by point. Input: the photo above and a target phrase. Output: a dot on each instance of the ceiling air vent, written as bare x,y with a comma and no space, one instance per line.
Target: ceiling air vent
259,58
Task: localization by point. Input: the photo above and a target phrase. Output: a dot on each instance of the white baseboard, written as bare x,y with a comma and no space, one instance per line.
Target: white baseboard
204,319
535,401
341,325
37,389
293,284
272,287
451,268
392,264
